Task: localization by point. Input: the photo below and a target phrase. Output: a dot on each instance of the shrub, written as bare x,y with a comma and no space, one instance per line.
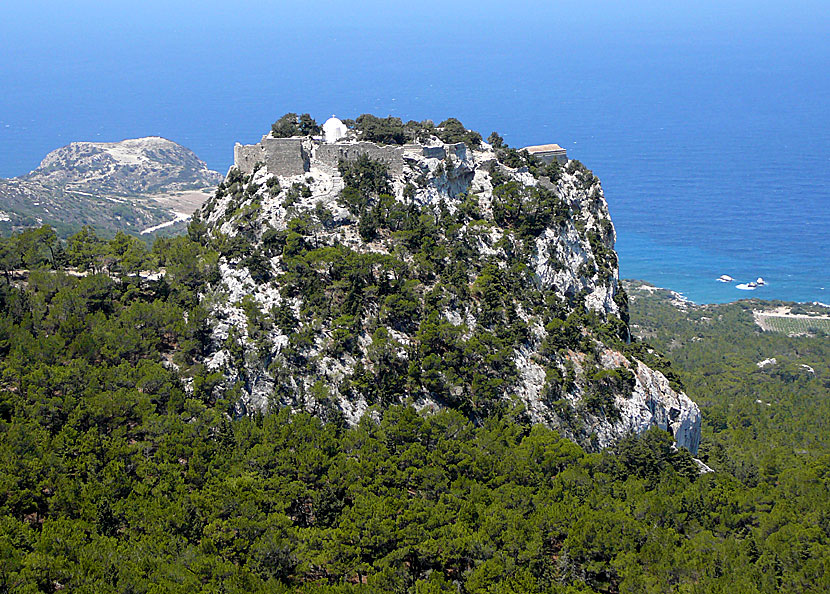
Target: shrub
285,127
293,125
388,130
495,140
451,131
365,180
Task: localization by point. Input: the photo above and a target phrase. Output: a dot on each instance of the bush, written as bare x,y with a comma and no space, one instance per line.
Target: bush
293,125
495,140
365,180
451,131
388,130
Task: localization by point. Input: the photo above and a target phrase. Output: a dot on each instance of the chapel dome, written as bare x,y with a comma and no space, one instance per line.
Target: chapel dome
334,129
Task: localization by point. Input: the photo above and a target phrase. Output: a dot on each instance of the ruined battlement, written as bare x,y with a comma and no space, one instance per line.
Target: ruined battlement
282,156
331,154
294,156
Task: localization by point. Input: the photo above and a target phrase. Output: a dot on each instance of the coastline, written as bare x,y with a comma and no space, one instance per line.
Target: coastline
632,284
693,270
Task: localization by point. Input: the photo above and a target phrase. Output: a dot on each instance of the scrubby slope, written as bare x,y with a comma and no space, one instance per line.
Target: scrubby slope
483,281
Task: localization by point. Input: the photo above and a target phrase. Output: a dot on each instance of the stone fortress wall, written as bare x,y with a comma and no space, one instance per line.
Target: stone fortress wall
331,154
293,156
286,155
245,157
547,153
283,156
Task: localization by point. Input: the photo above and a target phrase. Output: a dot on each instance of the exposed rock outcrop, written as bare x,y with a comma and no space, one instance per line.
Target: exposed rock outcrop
461,276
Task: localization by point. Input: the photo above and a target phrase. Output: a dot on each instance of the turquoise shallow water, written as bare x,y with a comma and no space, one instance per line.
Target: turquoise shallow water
708,125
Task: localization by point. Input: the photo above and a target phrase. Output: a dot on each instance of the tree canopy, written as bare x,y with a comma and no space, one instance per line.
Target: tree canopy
293,125
121,468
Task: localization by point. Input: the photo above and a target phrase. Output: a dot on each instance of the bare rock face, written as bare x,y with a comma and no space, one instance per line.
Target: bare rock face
462,276
130,185
654,402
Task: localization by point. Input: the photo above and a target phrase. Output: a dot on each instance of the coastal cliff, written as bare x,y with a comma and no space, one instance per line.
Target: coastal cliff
443,274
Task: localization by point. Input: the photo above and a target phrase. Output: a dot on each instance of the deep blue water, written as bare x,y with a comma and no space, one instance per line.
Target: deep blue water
708,124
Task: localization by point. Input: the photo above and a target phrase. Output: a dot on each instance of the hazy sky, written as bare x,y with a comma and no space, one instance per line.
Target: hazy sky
171,14
165,14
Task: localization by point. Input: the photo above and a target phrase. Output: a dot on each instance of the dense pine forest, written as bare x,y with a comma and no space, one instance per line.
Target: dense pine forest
764,394
121,469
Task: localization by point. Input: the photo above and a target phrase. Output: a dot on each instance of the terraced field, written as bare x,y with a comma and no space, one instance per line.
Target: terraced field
793,324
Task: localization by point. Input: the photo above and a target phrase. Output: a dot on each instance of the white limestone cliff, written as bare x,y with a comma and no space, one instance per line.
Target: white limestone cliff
571,258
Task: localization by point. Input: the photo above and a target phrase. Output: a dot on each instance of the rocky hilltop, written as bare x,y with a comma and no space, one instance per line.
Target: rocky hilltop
132,185
425,265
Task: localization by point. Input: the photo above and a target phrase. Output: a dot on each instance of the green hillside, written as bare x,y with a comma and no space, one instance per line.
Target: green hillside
119,472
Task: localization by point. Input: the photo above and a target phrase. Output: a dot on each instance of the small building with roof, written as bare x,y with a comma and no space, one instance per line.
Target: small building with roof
547,152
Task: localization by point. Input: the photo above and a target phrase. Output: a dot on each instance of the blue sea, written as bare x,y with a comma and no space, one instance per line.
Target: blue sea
708,123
